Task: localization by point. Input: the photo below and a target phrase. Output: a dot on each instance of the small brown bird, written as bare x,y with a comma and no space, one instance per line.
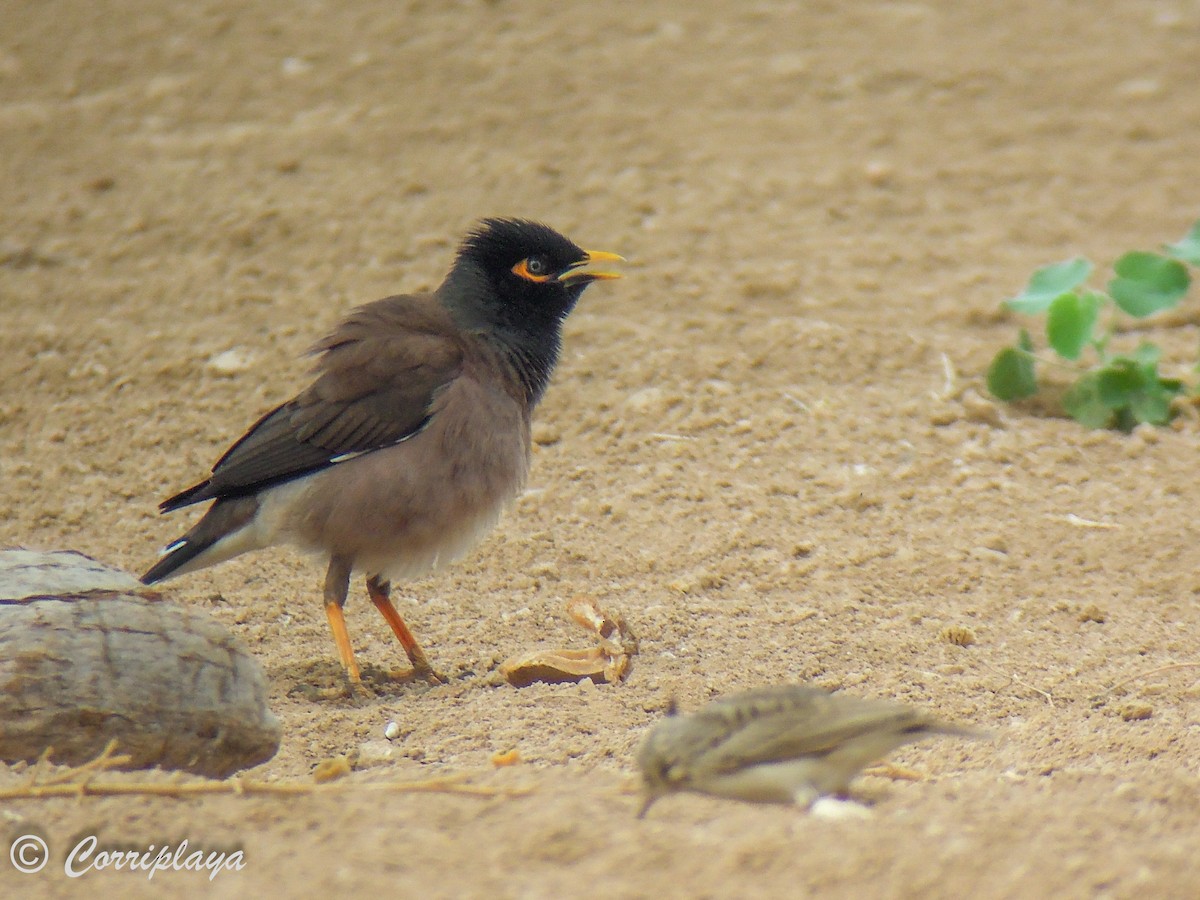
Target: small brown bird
402,453
784,744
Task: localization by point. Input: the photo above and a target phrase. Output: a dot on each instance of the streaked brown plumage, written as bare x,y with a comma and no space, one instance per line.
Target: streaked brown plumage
781,744
414,435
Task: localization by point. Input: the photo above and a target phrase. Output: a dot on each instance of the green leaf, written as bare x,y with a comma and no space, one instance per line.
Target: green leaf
1011,376
1153,402
1153,405
1131,388
1174,385
1070,321
1146,355
1083,404
1117,385
1187,248
1147,283
1050,282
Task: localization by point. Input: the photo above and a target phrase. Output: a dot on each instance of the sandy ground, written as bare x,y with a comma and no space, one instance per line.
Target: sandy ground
763,447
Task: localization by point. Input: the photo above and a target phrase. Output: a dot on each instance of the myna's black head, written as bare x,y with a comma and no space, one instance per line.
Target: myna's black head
515,281
533,271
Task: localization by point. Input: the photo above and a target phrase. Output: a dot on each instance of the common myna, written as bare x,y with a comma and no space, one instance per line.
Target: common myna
415,433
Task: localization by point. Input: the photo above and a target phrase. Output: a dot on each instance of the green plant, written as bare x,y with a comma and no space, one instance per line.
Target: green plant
1110,389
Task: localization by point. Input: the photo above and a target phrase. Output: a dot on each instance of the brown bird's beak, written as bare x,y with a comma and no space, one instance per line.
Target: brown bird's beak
575,274
648,800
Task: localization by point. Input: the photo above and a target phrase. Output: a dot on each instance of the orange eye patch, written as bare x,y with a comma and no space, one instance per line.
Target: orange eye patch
521,270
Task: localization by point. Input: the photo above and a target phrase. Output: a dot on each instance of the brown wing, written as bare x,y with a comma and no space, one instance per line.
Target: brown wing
787,723
377,376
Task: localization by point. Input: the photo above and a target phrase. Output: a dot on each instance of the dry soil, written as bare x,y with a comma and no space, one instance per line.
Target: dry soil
767,447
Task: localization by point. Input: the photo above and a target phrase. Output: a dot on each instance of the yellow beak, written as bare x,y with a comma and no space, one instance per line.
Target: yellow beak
576,274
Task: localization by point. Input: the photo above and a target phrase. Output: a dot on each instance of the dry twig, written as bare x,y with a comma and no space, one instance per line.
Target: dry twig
78,781
1168,668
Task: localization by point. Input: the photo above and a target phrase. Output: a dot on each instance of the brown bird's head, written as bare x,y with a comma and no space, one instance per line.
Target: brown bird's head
515,281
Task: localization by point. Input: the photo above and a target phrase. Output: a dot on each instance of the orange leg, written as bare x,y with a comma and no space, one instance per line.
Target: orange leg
337,584
379,592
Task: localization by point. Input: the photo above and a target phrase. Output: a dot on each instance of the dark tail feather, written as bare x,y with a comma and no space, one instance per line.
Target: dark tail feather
222,519
195,494
182,551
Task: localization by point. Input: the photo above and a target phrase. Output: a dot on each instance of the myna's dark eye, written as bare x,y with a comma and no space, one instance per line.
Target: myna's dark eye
533,268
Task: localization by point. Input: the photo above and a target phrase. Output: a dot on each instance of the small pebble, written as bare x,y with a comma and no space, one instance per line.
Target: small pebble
878,172
546,434
831,809
294,65
996,543
331,769
376,753
391,731
958,635
977,408
1139,88
1136,712
230,362
507,758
